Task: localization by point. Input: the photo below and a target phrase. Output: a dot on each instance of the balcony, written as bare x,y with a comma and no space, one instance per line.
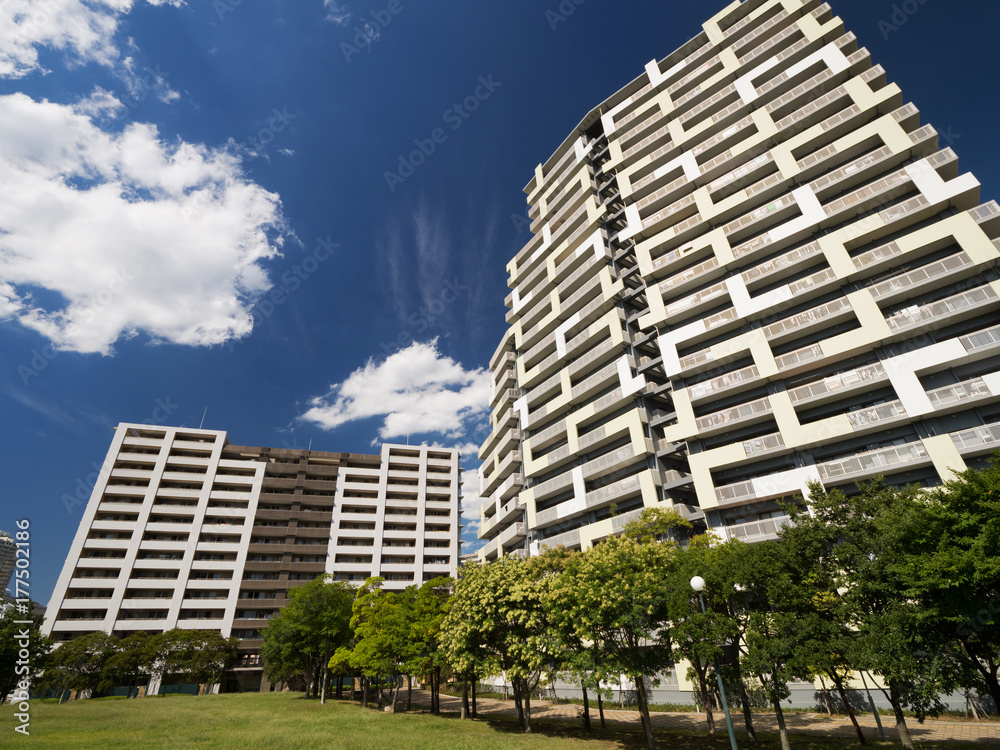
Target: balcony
568,539
796,324
763,444
877,417
838,385
731,380
727,418
978,439
504,515
900,286
615,491
513,533
874,462
783,263
754,531
960,393
935,313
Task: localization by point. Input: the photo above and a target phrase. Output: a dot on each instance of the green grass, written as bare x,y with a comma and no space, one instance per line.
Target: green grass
273,721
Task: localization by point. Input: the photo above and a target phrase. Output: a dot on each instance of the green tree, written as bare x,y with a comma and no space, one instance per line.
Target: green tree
15,637
80,664
696,637
614,596
956,556
134,656
307,632
428,607
863,547
195,656
382,624
498,623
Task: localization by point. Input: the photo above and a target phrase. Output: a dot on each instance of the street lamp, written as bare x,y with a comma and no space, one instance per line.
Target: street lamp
698,584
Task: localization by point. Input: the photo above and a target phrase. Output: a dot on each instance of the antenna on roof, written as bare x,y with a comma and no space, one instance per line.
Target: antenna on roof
203,418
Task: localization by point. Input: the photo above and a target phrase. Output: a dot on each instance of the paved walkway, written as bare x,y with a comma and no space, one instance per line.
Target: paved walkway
798,723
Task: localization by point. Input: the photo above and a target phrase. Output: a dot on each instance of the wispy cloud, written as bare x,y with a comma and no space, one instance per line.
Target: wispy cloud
337,12
416,391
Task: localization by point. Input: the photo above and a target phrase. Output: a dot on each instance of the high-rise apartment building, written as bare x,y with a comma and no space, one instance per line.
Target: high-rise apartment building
751,268
184,529
8,553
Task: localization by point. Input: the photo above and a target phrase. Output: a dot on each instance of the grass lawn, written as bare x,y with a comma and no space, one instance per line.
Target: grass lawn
273,721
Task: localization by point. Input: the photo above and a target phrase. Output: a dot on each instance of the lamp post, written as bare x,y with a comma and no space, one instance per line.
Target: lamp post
698,584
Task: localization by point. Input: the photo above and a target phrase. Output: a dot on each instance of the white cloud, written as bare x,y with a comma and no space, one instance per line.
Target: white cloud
85,31
471,501
104,235
337,13
416,391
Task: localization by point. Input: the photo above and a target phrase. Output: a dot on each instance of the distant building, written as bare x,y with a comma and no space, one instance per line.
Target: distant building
184,529
752,268
8,550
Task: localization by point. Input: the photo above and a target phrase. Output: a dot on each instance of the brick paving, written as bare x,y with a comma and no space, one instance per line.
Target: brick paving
798,723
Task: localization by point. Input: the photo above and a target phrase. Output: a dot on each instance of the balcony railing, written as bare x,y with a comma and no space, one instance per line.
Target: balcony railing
872,462
836,383
935,311
723,382
730,416
987,436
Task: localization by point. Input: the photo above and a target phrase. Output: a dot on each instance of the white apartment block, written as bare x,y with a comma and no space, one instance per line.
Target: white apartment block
184,529
752,267
8,553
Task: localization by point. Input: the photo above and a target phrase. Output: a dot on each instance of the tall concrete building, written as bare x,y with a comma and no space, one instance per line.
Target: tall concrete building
8,553
752,267
184,529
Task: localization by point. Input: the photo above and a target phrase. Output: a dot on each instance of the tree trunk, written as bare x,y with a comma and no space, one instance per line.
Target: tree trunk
517,702
780,716
409,692
364,692
465,699
647,726
702,673
972,705
340,686
847,706
586,709
747,713
600,708
475,713
527,707
897,710
437,689
326,661
826,697
395,692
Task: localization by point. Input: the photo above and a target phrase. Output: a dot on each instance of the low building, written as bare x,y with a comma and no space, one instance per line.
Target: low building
184,529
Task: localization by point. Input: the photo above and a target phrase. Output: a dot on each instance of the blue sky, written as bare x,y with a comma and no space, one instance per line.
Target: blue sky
214,204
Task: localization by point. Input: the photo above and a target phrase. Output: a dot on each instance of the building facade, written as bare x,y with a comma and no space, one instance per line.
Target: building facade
184,529
8,553
751,268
